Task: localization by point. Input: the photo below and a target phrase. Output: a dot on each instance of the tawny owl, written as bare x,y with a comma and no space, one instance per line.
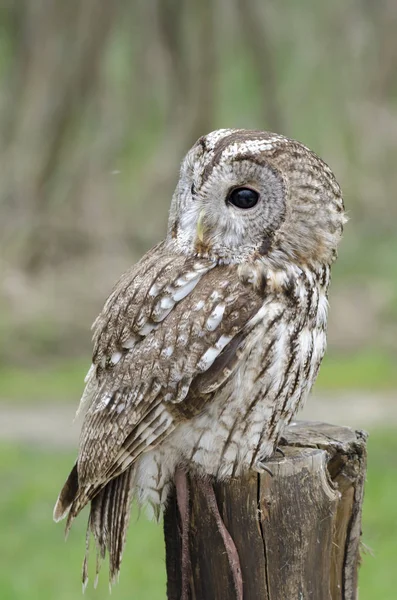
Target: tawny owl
207,347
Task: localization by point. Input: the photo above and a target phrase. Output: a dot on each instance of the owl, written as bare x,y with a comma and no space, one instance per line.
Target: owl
207,347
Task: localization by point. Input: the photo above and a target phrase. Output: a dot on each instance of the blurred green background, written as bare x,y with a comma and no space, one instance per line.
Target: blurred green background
99,102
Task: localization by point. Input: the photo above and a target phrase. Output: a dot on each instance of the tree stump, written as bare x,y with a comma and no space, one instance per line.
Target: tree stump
297,533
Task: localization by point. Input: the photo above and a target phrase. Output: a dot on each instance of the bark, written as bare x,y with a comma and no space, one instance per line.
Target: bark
297,533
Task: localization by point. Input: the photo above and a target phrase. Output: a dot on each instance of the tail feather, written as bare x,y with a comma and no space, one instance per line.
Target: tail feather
108,522
80,500
67,495
109,516
120,518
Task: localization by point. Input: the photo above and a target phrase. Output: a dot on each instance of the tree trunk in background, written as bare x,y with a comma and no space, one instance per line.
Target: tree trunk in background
58,62
257,38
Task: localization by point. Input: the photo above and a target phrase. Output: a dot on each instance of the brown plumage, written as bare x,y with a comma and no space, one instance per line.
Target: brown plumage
207,347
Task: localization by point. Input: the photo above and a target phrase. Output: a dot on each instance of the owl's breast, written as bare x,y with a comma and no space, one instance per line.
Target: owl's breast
242,423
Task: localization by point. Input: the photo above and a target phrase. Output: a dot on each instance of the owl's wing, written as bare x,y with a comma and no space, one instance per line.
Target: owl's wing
172,325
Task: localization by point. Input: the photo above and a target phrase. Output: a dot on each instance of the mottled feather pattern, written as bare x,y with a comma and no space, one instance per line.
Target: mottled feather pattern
164,362
207,347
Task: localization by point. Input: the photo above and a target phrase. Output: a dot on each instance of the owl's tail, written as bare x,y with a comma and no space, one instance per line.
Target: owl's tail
67,496
108,521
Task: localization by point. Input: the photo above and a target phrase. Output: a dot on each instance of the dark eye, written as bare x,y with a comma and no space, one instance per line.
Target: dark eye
243,197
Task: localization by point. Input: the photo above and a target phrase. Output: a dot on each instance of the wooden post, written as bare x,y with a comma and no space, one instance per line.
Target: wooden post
297,533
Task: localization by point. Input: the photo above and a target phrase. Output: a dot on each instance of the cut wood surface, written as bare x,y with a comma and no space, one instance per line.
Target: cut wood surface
297,532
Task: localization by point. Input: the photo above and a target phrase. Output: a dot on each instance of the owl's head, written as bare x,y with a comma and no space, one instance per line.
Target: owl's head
248,194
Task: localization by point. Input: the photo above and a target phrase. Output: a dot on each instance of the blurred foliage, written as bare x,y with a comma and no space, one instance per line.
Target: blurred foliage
36,565
99,102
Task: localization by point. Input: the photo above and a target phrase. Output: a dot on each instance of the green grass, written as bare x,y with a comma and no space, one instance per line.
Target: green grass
378,574
60,382
36,564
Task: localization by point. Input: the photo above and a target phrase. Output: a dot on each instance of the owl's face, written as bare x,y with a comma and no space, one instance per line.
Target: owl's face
243,194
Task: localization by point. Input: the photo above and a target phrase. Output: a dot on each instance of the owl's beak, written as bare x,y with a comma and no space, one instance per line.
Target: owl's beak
202,244
200,227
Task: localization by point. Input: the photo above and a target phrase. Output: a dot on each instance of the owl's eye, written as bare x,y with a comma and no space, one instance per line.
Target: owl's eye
243,197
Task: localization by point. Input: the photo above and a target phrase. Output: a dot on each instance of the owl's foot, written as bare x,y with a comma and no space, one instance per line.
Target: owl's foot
231,550
261,467
182,496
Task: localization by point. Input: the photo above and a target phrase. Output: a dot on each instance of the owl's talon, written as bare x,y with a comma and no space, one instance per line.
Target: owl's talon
281,452
261,466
